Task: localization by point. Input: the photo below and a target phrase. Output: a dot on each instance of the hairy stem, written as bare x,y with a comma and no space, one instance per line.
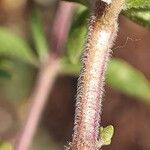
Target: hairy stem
102,31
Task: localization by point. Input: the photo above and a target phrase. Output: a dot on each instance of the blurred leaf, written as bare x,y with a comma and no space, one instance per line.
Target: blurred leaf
5,69
137,3
69,68
138,11
77,35
70,62
22,77
139,15
5,146
39,38
125,78
4,74
11,45
120,76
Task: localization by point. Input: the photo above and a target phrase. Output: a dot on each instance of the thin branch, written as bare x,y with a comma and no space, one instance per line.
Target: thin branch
48,72
46,78
101,34
61,27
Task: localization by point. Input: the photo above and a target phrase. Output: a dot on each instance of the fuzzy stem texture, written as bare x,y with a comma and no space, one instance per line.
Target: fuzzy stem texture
101,33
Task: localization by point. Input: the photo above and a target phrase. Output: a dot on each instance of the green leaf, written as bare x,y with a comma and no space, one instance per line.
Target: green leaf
69,68
137,3
128,80
38,35
11,45
5,69
70,61
139,15
77,34
106,134
4,74
120,76
22,77
138,11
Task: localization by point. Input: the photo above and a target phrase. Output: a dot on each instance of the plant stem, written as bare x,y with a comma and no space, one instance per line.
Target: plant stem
47,74
61,27
48,71
101,34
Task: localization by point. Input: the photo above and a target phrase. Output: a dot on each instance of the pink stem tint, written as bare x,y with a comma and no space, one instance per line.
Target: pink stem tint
102,31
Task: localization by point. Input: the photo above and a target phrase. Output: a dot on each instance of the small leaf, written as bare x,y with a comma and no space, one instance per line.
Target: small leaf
39,38
106,134
11,45
128,80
